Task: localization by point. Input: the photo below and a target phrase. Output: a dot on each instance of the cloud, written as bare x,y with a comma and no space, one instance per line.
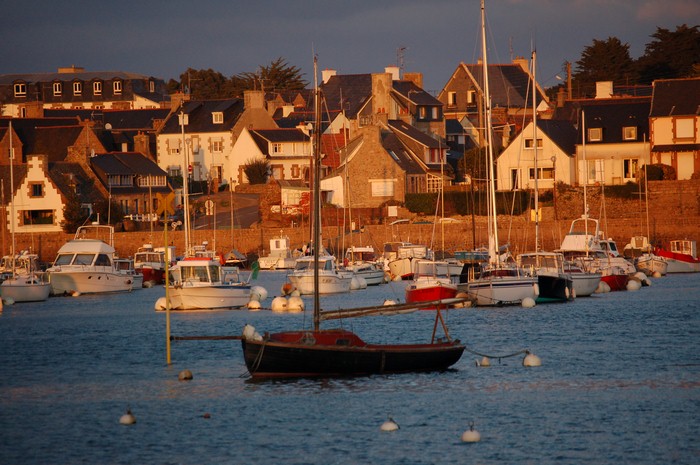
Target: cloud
668,10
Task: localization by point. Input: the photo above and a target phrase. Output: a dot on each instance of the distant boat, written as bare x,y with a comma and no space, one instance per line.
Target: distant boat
641,253
126,267
364,263
85,265
399,256
427,285
554,282
682,256
150,263
338,352
331,281
281,256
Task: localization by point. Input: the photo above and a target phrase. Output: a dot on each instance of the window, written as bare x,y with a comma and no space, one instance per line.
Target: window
543,173
276,148
217,146
151,86
684,128
452,99
20,89
529,144
217,117
117,87
434,112
77,88
629,133
422,112
30,217
382,187
595,171
630,166
174,150
36,189
471,96
57,89
97,88
595,134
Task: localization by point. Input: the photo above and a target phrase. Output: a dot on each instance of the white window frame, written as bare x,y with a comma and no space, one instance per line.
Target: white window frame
452,99
276,147
117,87
97,88
629,133
77,88
20,89
217,117
217,146
57,89
471,96
684,128
595,134
630,166
382,187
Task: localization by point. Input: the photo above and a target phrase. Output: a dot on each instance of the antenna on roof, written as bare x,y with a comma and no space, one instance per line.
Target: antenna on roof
400,57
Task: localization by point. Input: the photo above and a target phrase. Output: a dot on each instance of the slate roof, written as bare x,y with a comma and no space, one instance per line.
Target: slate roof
19,172
508,85
675,97
356,89
117,119
415,134
401,156
200,116
127,164
83,76
614,114
65,174
51,141
561,132
410,91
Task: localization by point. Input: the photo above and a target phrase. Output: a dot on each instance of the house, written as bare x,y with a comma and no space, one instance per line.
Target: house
616,132
26,95
132,180
556,157
288,152
510,90
674,122
209,130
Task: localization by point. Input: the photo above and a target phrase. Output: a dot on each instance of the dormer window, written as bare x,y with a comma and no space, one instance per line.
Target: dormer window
151,86
77,88
217,117
595,134
117,87
97,88
20,89
629,133
57,89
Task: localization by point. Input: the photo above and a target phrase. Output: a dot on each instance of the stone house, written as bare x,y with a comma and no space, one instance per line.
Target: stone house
674,122
208,129
26,95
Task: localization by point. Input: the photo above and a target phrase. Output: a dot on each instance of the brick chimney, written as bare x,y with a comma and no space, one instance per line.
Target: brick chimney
253,99
141,144
416,78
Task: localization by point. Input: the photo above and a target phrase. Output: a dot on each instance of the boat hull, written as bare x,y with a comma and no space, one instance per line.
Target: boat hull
209,297
415,292
88,282
554,288
502,290
277,263
341,353
152,275
616,282
650,264
327,284
585,284
25,289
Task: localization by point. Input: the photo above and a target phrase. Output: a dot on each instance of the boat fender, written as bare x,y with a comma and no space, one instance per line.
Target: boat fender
536,288
471,435
249,332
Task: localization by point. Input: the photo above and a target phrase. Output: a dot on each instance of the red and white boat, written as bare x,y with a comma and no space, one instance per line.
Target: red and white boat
151,264
682,256
427,286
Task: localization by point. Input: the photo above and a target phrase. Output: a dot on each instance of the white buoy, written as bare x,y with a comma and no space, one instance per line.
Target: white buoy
528,302
279,304
128,418
389,302
160,303
471,435
250,334
389,425
185,375
633,285
603,288
254,305
148,284
641,277
258,293
485,362
396,278
295,304
656,274
75,294
354,283
531,360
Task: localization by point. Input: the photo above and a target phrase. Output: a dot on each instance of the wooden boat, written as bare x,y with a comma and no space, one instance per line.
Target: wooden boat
338,352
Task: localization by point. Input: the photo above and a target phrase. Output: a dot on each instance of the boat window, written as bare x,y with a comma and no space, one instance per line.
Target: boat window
103,260
328,265
303,265
84,259
64,259
214,273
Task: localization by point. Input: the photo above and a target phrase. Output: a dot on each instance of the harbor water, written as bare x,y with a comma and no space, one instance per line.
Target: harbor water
619,383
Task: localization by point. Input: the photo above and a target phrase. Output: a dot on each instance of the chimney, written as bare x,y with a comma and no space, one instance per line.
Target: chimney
287,110
71,69
416,78
603,89
394,71
253,99
522,62
326,74
141,144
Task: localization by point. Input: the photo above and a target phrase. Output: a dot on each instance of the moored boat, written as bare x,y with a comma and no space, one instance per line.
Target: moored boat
150,263
427,285
331,280
682,256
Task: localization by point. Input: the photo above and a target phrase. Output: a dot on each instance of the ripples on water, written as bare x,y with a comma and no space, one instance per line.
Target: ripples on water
620,383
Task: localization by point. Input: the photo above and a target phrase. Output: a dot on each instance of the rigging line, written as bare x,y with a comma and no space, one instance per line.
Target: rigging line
523,351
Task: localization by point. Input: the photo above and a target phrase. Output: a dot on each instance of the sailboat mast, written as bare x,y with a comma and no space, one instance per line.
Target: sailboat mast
585,179
12,198
317,196
185,182
534,147
493,223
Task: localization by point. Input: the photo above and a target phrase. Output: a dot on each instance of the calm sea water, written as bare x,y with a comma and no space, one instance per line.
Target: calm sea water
619,383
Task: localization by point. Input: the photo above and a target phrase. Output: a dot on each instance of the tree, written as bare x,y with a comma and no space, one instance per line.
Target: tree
205,84
257,171
73,215
605,60
277,76
672,54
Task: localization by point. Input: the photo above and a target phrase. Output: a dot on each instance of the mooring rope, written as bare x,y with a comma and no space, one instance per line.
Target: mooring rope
498,357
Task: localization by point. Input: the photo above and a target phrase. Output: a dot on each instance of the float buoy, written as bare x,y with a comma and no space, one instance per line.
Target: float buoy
389,302
603,288
531,360
295,304
279,304
128,418
485,362
185,375
160,303
258,293
528,302
254,305
633,285
287,288
471,435
389,425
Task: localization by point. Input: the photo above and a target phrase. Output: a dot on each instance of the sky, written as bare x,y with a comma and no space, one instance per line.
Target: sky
163,39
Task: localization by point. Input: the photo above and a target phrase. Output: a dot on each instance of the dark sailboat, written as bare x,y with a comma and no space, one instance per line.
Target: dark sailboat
338,352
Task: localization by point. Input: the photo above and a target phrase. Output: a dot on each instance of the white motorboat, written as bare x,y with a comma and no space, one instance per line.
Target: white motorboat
281,256
642,254
682,256
26,283
85,265
399,258
331,280
126,267
363,262
585,282
201,283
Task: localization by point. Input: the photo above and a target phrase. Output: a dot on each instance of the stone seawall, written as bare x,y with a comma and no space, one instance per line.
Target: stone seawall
674,213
